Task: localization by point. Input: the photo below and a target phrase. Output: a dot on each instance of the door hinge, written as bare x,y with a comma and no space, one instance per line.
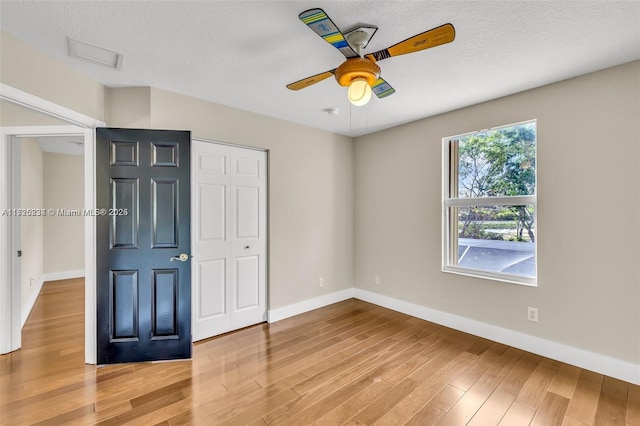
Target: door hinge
19,253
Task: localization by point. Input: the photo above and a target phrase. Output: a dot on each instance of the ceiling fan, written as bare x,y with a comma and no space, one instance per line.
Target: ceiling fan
361,73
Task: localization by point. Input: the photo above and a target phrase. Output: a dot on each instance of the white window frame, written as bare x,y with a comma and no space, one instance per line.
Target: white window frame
450,221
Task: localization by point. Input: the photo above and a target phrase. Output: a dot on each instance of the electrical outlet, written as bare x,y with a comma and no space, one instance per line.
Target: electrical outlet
321,282
377,279
532,314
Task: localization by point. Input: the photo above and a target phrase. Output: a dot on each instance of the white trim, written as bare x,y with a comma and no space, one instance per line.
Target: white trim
278,314
235,145
10,288
63,275
90,280
87,128
516,200
602,364
491,129
493,276
5,290
35,103
39,131
26,309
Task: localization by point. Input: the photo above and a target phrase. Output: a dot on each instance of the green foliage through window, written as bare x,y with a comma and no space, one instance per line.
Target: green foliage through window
498,163
490,204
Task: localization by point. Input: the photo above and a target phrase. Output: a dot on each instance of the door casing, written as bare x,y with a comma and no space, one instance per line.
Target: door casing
79,124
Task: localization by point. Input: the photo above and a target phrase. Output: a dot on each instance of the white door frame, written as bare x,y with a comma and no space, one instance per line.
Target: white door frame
10,321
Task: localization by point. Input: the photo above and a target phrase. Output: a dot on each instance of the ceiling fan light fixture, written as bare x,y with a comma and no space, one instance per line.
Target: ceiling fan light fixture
354,68
358,67
359,92
359,74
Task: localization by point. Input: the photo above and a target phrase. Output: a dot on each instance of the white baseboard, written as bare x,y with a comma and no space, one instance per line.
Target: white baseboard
26,309
602,364
599,363
63,275
278,314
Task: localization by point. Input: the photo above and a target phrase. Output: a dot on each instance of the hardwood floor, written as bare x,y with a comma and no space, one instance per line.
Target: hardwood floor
350,363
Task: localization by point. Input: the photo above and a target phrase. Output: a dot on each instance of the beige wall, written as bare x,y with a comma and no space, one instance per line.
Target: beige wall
588,291
63,235
15,115
31,228
49,244
28,69
310,191
129,107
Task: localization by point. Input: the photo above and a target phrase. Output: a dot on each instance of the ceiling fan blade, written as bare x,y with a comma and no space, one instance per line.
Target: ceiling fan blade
306,82
382,89
432,38
319,21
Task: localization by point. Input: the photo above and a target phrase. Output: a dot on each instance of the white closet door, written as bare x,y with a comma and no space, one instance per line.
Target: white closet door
229,238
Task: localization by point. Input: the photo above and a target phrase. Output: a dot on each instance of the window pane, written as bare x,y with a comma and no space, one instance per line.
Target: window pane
497,163
496,238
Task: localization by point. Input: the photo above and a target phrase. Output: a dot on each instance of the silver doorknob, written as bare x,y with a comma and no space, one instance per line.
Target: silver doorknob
182,258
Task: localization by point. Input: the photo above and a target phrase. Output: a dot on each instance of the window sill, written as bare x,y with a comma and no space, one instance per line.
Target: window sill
493,276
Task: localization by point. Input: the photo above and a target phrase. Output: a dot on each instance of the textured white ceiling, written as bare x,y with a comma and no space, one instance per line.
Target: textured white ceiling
242,54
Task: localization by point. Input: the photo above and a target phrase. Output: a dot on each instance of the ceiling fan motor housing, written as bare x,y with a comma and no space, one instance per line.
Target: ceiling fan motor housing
357,68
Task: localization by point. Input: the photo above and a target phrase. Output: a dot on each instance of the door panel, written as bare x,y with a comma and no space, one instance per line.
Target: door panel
124,229
124,291
164,204
211,212
165,293
212,288
247,283
247,167
229,239
211,162
124,153
164,154
247,212
143,288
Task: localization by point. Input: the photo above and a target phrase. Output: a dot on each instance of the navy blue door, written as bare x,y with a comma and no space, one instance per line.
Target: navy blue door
143,245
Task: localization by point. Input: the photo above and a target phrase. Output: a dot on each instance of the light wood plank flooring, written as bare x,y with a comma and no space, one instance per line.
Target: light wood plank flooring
350,363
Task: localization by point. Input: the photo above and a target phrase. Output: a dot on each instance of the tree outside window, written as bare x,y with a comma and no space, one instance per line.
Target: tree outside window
490,198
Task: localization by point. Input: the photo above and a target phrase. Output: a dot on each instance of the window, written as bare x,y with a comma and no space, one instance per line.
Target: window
490,203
